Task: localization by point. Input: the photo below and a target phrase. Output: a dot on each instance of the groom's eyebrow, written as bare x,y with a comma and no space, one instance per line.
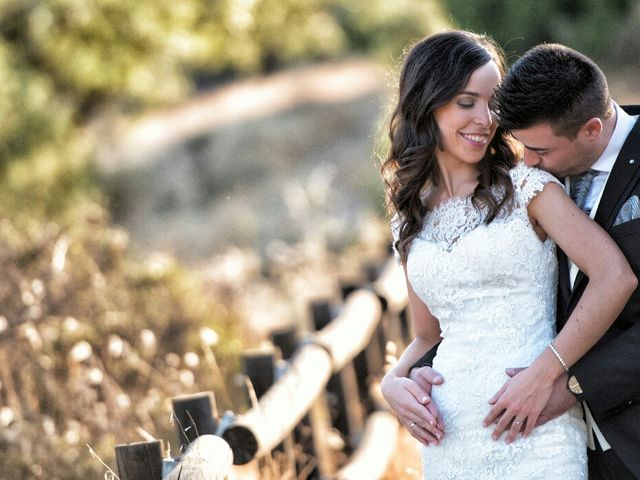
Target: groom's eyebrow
533,149
536,149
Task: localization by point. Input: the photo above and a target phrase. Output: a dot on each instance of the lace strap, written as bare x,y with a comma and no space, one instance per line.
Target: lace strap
529,181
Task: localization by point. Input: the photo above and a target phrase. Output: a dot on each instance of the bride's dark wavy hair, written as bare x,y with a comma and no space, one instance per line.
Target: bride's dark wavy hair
435,70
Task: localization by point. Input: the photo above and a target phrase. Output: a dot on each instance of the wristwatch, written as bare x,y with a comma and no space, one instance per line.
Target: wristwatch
574,386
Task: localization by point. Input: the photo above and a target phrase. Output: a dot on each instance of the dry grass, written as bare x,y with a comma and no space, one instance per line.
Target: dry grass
406,464
93,345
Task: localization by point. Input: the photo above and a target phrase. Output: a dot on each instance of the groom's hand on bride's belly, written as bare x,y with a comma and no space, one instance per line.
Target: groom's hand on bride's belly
560,402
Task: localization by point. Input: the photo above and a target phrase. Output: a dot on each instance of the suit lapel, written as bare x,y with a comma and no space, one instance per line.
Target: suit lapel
624,175
621,179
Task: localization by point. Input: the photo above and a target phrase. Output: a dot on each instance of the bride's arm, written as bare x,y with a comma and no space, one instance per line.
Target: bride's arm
427,330
411,403
611,283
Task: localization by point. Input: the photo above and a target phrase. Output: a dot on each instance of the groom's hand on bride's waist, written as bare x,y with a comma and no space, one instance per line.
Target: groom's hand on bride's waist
560,402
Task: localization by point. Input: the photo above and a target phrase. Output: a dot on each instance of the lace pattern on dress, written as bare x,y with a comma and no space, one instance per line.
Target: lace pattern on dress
452,219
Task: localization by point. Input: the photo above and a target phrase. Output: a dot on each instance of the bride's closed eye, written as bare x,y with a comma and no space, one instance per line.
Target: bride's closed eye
466,104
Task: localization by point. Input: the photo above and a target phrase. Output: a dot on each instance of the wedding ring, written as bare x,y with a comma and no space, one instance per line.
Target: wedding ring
413,424
517,422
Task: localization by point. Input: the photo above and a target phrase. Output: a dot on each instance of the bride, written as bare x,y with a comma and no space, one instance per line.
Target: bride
476,232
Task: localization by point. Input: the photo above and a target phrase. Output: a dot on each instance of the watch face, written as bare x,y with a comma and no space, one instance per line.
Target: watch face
574,386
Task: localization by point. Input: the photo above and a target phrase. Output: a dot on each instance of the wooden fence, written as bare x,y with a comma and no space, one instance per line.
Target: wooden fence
321,411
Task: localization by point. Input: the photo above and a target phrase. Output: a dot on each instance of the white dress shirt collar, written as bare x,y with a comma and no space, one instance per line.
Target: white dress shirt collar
624,125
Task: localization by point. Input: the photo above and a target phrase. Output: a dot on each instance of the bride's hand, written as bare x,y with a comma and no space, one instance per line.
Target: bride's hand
517,405
410,400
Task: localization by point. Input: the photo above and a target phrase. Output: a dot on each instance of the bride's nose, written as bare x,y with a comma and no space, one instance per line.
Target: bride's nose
483,116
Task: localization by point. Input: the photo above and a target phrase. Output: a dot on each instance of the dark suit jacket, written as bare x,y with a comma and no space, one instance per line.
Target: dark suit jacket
609,373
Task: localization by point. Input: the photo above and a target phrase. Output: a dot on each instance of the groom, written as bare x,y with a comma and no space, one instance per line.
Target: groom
556,102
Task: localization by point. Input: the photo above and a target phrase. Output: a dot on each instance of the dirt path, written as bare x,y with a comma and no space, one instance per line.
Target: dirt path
137,139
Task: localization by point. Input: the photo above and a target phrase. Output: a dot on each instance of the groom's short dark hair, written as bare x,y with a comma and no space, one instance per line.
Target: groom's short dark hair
552,84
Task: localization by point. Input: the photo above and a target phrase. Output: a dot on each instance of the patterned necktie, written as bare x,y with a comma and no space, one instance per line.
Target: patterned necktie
580,186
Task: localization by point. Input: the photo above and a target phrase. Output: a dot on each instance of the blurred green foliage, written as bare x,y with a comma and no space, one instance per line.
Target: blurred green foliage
66,63
596,28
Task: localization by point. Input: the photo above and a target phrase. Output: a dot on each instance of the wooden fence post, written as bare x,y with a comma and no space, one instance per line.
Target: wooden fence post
342,388
207,458
306,433
260,368
286,340
370,362
301,388
139,461
195,415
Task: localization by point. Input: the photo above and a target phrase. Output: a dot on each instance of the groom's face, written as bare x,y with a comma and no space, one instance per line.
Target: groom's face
559,155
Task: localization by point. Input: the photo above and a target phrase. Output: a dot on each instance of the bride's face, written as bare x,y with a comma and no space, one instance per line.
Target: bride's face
466,123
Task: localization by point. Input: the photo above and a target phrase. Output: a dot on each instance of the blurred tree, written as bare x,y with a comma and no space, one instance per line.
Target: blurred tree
591,26
386,28
63,60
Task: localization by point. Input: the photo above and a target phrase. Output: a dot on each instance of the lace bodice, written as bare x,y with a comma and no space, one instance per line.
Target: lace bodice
493,289
454,218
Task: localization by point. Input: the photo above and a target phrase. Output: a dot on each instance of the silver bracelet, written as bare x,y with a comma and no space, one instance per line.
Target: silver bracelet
555,352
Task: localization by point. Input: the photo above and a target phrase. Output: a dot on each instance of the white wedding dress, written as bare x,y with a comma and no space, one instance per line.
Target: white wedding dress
493,289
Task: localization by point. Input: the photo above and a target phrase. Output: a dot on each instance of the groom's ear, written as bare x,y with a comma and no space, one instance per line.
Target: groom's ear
592,128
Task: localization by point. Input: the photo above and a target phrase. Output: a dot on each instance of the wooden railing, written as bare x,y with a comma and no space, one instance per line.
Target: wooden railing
325,387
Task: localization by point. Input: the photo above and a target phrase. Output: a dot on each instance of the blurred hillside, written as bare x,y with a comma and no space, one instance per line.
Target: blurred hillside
287,157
